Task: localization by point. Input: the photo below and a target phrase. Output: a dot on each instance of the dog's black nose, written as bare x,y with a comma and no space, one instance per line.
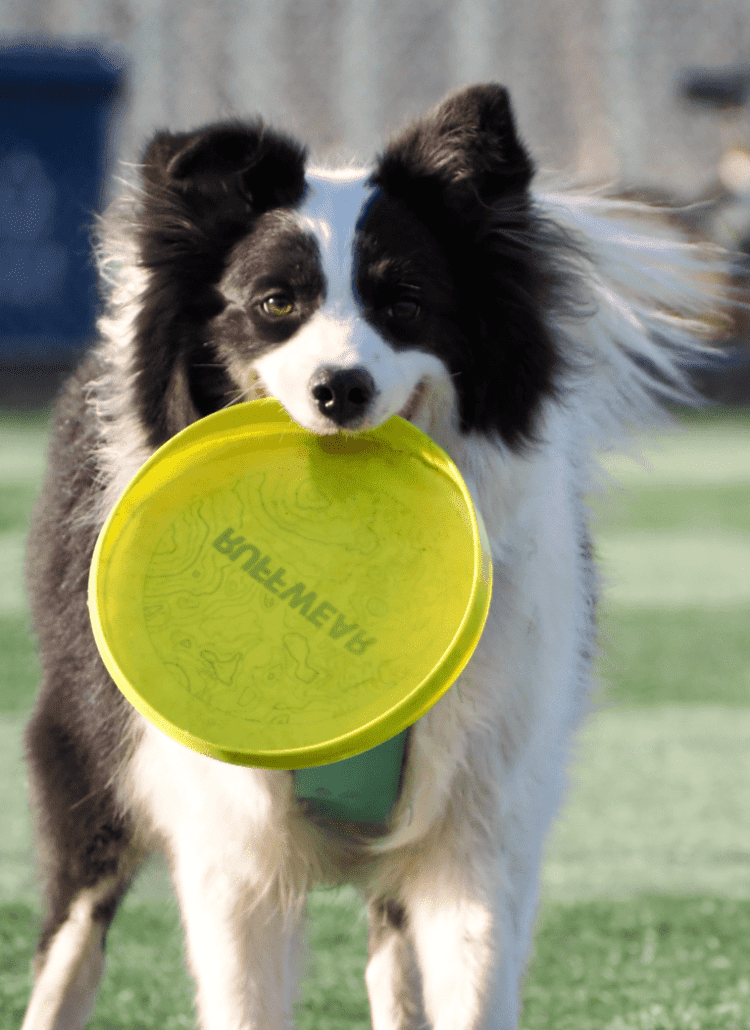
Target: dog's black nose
344,396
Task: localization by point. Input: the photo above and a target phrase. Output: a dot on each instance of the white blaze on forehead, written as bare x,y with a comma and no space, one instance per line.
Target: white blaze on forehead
338,336
331,211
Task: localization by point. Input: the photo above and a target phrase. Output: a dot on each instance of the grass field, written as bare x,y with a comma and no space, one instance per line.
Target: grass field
645,920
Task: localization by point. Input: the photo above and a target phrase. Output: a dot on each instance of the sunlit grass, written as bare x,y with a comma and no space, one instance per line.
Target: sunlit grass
688,656
677,508
654,963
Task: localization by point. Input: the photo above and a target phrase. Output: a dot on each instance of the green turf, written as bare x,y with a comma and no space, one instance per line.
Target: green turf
675,508
650,568
655,963
334,986
698,453
145,986
692,656
18,500
19,925
12,592
650,963
19,668
23,449
659,799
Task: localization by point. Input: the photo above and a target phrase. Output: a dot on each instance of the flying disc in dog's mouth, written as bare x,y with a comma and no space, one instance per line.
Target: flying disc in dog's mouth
275,598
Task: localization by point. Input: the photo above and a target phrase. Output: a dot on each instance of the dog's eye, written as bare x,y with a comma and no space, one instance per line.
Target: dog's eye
277,306
404,310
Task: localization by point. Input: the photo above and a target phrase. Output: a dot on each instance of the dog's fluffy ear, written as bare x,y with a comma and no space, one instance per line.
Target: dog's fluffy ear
465,174
202,193
468,146
263,167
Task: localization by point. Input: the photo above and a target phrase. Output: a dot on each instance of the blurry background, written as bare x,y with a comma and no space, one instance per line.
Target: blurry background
593,81
596,84
645,919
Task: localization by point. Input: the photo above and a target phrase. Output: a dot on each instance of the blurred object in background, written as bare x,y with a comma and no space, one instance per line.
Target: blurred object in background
722,213
592,82
725,215
56,111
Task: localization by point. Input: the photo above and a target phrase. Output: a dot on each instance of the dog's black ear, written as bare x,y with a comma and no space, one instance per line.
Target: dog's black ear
203,192
465,174
468,145
263,167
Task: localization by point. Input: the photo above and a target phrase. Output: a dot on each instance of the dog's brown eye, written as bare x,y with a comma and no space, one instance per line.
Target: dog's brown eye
277,306
404,310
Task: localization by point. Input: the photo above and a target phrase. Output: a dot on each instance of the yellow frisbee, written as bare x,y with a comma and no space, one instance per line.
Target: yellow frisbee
279,599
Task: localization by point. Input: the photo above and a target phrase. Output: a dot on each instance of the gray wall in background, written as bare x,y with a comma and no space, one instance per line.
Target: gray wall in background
593,81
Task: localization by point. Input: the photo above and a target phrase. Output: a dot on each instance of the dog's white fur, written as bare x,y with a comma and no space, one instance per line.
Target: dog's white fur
485,774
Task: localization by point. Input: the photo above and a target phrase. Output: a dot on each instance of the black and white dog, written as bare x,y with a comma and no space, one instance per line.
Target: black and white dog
523,331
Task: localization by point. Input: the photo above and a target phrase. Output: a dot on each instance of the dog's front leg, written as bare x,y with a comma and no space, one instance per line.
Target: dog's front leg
242,951
466,952
392,976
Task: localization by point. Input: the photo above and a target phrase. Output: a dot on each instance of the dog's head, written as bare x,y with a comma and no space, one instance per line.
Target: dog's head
350,296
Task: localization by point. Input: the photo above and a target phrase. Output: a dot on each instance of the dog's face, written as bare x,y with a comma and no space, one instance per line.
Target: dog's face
337,308
349,296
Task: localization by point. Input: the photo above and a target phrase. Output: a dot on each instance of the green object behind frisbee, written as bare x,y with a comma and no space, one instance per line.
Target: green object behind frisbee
279,599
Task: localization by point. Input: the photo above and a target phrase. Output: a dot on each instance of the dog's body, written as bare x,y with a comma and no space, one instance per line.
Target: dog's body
436,287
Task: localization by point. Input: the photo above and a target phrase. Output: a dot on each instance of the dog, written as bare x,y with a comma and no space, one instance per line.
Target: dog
525,331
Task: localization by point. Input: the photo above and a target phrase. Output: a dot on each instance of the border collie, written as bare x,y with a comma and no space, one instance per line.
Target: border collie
524,331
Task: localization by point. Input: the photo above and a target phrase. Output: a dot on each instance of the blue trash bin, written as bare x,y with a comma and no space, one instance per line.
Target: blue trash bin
56,109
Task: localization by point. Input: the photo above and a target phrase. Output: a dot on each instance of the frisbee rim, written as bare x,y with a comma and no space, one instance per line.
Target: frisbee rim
262,418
